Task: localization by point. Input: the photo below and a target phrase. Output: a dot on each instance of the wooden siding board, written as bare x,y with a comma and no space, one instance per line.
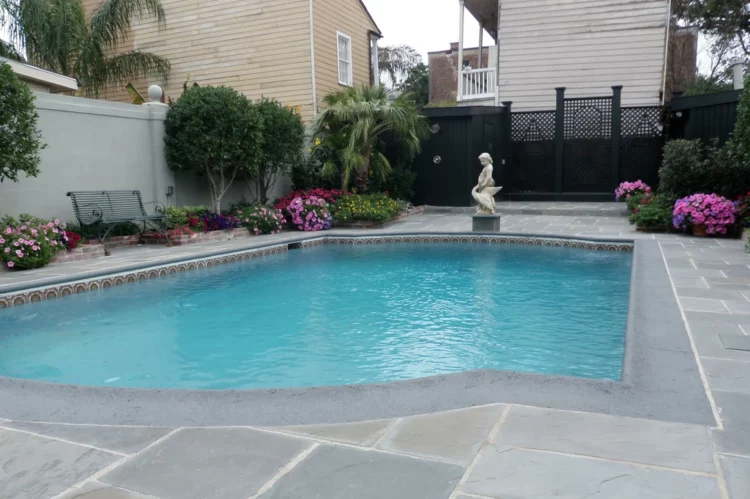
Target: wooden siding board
346,16
584,45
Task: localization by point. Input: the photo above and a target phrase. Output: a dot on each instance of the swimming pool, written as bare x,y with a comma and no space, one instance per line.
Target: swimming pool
333,315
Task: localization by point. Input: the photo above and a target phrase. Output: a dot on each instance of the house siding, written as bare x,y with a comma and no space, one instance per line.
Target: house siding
258,47
350,18
586,46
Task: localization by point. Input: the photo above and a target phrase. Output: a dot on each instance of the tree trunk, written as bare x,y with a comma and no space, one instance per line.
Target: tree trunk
364,172
344,186
262,195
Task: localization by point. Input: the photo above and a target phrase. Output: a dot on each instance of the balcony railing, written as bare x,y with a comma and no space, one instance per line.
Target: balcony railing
478,84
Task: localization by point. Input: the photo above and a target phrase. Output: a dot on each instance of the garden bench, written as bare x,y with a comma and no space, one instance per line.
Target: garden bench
107,209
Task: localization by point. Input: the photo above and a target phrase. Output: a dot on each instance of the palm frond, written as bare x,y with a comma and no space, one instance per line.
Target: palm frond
395,61
112,20
119,68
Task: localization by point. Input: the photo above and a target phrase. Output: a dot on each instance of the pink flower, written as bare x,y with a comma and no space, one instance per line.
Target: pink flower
57,222
2,241
9,230
7,250
16,243
11,264
54,243
35,248
19,253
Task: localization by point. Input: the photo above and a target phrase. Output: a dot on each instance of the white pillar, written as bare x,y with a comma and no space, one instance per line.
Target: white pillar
375,59
481,43
460,51
738,69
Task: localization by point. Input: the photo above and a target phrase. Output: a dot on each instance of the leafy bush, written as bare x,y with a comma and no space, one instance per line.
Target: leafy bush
178,216
399,184
628,189
217,221
651,211
261,220
310,214
691,167
328,195
715,212
30,246
374,207
283,135
215,132
633,201
20,139
743,209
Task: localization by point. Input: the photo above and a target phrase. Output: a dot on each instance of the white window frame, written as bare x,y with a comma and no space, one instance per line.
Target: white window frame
339,59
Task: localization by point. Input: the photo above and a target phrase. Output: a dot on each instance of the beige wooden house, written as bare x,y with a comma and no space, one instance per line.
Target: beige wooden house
296,51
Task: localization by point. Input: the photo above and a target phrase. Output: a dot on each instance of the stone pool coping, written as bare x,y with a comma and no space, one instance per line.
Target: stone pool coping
661,379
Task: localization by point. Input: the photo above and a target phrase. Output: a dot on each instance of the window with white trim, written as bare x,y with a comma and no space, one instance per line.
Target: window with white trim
344,43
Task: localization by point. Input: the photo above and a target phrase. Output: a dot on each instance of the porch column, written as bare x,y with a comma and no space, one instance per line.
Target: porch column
461,51
481,45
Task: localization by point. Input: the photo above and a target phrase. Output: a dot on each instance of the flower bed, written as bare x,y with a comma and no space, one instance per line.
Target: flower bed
628,189
710,211
31,242
369,224
328,195
261,220
310,214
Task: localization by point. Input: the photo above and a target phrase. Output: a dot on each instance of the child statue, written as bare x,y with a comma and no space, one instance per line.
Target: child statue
485,190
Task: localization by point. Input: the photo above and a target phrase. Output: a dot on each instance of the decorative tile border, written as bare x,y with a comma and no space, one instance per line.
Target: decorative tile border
485,239
95,284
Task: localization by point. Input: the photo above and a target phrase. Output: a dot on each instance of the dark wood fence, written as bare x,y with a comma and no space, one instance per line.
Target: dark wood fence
704,117
580,151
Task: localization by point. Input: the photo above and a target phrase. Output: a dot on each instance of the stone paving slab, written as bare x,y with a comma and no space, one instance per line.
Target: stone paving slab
124,439
634,440
736,474
736,342
508,473
32,466
710,345
728,375
734,409
332,472
98,490
454,436
365,433
207,463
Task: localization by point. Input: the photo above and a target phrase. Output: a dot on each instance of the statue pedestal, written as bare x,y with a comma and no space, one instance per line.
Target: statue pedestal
485,223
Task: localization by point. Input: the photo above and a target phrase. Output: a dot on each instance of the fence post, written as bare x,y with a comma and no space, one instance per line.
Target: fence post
507,145
616,134
559,138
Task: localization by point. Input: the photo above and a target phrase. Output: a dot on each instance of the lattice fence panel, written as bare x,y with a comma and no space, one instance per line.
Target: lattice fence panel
589,118
533,126
641,121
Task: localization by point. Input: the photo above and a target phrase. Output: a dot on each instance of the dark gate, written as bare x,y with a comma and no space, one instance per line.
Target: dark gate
532,162
448,166
583,149
587,157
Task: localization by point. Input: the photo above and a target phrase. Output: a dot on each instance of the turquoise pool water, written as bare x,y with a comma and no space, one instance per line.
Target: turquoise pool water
333,315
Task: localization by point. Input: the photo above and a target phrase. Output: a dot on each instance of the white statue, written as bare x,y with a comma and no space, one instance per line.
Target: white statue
485,190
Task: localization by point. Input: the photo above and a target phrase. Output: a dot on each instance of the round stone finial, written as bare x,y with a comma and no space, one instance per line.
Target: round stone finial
155,92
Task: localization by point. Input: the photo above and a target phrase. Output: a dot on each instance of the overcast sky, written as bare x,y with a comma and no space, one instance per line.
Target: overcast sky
426,25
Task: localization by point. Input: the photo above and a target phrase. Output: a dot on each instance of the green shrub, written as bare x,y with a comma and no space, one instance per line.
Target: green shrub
92,231
398,185
215,132
20,140
690,167
370,207
633,201
179,216
653,212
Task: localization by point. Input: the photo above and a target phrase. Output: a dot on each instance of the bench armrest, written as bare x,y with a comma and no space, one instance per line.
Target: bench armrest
90,214
159,208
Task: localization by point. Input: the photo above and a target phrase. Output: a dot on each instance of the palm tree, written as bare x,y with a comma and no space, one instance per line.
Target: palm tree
395,61
58,35
355,123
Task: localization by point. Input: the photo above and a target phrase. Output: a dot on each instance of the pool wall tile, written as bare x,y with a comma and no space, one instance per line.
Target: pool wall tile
18,298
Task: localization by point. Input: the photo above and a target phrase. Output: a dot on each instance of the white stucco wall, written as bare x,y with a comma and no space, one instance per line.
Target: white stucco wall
100,145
